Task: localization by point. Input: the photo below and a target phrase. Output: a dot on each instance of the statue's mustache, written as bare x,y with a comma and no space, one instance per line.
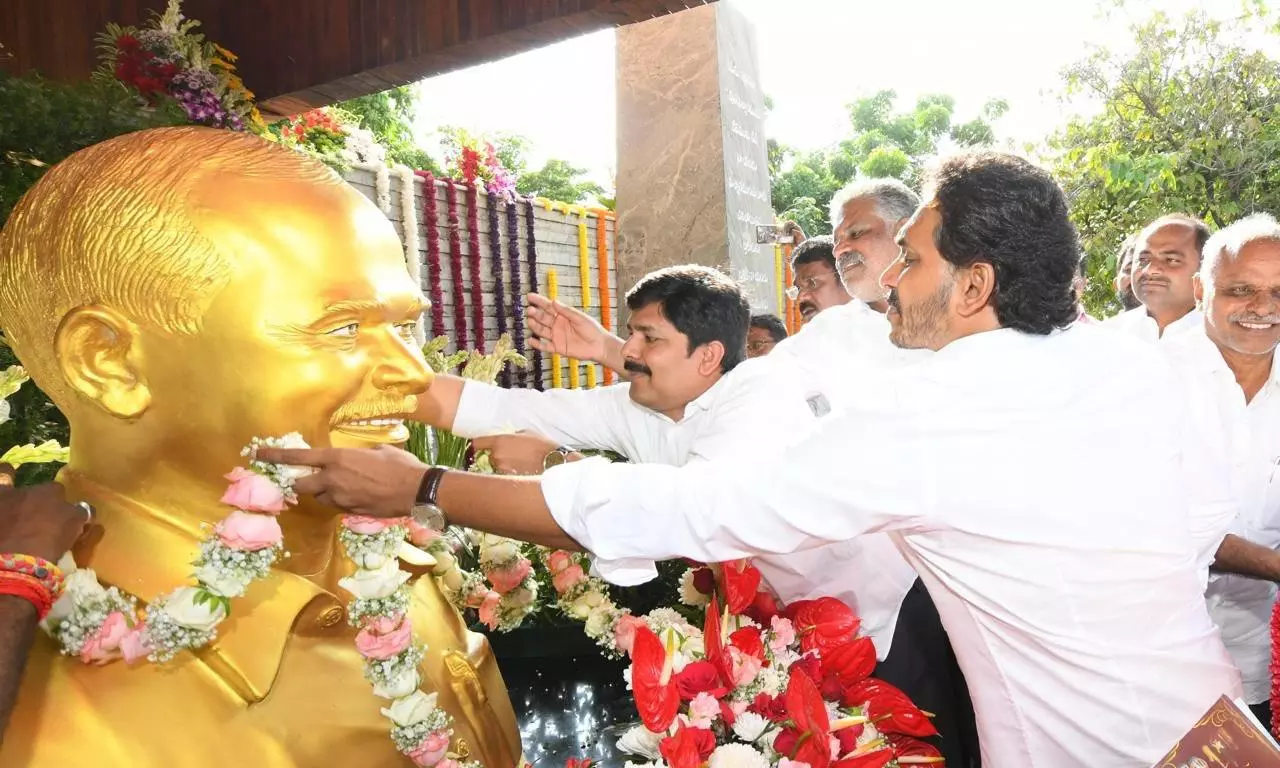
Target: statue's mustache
380,408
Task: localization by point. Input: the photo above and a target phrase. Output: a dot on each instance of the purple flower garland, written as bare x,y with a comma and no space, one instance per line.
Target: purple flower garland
495,267
455,269
473,256
517,292
536,357
430,215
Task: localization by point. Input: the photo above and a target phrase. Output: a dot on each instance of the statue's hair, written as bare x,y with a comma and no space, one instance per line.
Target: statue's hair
111,225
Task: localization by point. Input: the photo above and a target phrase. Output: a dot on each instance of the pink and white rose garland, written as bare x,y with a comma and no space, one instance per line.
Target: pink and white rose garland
100,624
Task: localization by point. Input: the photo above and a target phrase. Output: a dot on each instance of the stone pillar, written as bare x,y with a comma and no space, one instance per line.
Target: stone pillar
693,174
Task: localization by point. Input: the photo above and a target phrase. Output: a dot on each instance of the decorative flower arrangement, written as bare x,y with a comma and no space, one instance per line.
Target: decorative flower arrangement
475,161
170,59
531,260
517,291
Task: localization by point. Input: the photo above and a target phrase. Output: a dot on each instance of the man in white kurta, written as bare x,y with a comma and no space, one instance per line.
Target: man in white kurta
1166,257
1227,366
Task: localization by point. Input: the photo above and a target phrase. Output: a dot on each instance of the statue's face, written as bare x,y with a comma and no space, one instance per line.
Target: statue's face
313,333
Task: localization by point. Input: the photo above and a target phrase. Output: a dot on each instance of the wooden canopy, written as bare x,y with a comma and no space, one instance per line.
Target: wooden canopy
301,54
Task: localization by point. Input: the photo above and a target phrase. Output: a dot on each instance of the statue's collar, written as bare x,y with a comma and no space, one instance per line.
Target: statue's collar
147,553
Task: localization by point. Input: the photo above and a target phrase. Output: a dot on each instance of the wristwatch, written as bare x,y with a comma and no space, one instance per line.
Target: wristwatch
425,510
556,457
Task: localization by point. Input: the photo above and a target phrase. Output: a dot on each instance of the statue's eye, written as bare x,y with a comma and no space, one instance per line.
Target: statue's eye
346,331
406,329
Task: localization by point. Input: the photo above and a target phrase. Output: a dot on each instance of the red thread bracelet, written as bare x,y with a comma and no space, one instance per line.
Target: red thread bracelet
28,588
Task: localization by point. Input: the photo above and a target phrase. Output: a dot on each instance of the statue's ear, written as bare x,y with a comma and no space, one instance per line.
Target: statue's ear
100,357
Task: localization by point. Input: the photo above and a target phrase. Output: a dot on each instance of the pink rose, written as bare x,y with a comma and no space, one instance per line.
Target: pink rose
253,492
559,560
249,532
738,707
134,645
104,644
367,525
489,610
744,667
506,579
476,597
432,749
702,710
624,631
419,534
384,637
568,578
784,633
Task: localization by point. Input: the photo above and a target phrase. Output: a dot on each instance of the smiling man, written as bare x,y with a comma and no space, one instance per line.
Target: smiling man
1228,366
1166,256
1076,610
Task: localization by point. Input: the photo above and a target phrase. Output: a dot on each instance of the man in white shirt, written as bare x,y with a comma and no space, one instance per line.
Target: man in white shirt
1166,257
1076,609
815,286
1228,368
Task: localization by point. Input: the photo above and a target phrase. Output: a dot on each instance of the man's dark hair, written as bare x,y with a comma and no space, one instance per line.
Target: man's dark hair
1187,220
702,303
771,323
815,249
1002,210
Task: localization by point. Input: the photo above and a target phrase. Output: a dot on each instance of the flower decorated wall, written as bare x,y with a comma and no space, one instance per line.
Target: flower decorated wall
566,252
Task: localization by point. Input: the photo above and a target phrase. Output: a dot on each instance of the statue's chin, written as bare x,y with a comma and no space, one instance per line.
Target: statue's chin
369,434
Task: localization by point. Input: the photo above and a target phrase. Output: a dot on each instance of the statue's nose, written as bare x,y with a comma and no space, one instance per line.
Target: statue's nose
402,372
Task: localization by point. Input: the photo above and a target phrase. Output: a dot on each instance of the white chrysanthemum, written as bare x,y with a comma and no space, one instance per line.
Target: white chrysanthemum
641,741
689,594
749,726
737,756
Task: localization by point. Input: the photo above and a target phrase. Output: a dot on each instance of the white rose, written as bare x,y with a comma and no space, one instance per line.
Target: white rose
398,687
83,585
499,551
597,623
641,741
370,561
411,709
452,579
378,582
585,604
182,607
522,597
689,594
290,471
749,726
221,582
737,756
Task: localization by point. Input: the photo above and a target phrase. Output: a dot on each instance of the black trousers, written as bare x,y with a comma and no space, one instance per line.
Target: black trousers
922,664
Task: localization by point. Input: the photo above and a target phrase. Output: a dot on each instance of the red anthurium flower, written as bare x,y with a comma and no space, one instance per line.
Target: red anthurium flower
909,721
741,583
688,748
876,695
808,665
699,677
848,738
809,724
764,608
912,751
749,641
714,647
851,663
657,697
822,623
772,708
878,759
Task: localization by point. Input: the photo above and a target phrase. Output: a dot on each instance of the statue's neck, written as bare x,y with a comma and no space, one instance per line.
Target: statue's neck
186,502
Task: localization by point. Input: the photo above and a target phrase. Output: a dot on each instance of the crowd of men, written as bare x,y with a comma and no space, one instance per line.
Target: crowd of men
1061,538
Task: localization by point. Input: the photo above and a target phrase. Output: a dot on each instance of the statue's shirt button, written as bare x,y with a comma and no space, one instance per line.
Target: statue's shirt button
329,618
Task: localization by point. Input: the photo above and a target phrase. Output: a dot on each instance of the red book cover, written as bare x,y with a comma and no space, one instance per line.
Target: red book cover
1225,736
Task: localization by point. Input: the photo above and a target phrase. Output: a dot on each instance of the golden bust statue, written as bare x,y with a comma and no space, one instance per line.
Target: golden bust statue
177,292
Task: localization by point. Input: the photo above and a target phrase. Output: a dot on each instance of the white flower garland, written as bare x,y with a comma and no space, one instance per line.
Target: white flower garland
382,188
409,221
101,624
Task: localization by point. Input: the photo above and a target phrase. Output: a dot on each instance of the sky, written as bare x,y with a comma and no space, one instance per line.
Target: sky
815,57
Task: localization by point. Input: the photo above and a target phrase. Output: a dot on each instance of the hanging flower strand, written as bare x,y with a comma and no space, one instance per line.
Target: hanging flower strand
517,292
495,267
455,269
602,279
553,293
431,216
531,243
473,266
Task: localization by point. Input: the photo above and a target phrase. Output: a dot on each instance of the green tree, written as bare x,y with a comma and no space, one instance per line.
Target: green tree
559,180
883,144
389,115
1189,122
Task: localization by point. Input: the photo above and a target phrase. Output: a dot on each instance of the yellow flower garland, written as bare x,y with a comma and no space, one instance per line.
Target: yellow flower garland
553,293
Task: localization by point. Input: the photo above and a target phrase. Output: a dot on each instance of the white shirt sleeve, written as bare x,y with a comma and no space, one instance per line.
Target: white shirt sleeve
581,418
838,483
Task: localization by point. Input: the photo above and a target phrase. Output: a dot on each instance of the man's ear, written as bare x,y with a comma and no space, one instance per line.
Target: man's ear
1197,289
974,289
710,358
100,357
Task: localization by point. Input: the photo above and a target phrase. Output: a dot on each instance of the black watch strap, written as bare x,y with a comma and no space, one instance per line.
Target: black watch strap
430,485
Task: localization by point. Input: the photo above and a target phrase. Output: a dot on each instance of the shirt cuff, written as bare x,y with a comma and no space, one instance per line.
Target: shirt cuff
561,492
477,407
